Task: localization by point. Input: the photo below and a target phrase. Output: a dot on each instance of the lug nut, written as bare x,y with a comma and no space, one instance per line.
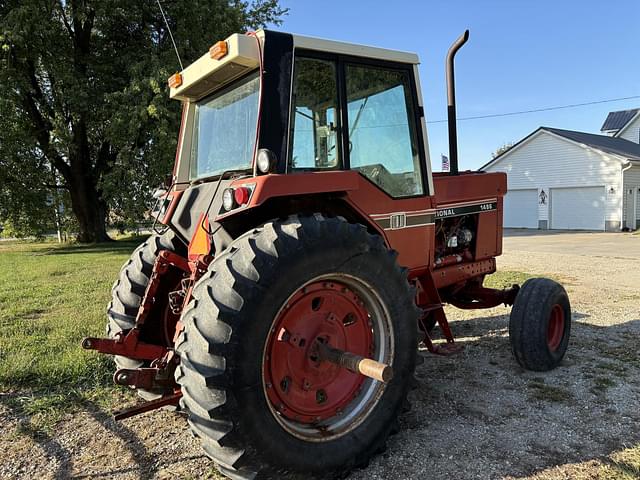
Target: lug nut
321,396
285,383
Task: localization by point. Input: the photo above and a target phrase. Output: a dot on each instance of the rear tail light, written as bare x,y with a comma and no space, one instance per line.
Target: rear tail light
235,197
241,195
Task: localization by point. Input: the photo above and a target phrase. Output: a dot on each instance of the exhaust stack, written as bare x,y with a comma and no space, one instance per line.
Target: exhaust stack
451,103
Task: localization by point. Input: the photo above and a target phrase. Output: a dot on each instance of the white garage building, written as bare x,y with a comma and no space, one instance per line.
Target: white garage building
562,179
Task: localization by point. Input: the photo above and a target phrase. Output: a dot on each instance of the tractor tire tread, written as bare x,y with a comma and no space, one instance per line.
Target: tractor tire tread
208,346
528,324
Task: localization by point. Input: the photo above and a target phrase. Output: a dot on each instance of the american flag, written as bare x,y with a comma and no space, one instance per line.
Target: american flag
445,163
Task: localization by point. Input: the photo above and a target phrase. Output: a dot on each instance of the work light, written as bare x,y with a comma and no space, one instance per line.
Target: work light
266,160
227,199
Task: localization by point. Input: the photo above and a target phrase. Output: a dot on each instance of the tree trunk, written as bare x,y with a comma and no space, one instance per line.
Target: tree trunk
90,210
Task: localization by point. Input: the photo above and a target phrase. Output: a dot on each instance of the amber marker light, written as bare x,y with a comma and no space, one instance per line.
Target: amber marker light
219,50
175,80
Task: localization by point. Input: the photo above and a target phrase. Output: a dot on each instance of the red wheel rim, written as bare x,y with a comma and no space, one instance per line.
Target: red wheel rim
299,387
555,329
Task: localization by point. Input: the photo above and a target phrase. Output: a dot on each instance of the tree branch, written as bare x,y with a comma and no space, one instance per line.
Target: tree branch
105,158
64,18
42,125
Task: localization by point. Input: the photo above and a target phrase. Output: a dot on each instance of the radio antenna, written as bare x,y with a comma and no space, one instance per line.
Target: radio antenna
175,47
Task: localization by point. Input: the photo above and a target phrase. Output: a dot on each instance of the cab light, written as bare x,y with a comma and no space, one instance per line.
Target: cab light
241,195
175,80
228,200
266,160
219,50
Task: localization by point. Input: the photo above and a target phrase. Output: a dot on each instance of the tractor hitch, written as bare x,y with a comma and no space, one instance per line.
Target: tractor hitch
159,374
126,345
145,378
147,406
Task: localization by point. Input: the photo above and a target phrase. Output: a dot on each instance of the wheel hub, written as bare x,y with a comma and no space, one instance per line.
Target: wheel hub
555,329
299,385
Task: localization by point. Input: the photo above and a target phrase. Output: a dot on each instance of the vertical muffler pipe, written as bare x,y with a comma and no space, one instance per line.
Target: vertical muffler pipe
451,103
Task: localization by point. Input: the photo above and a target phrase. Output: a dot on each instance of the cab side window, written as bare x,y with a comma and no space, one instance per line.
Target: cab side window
383,143
315,116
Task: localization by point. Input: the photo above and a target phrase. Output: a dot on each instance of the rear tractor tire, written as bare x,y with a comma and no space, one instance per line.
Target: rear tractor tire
262,405
127,293
540,324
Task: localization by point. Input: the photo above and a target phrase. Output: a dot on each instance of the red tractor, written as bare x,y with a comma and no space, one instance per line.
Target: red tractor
306,251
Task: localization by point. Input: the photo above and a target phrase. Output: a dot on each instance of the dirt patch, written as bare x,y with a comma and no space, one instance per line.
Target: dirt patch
91,445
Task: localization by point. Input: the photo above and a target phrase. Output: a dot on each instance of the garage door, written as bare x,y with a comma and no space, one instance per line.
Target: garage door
521,209
578,208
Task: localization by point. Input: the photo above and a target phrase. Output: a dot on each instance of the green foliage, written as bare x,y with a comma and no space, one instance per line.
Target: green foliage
502,149
85,96
506,278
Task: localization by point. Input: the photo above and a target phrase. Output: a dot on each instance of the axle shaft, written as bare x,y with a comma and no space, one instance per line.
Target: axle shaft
355,363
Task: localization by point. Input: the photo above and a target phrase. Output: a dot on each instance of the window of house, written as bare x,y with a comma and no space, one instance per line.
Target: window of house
315,116
383,143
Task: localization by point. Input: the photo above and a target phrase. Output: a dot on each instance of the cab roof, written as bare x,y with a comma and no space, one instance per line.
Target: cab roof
354,49
242,55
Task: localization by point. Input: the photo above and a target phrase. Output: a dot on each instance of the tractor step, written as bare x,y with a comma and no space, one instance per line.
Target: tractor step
446,349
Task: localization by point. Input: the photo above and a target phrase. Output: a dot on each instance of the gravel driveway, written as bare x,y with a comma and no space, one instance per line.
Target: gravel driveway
476,415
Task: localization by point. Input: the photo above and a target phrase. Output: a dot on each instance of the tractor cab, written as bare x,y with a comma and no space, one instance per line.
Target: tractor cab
271,104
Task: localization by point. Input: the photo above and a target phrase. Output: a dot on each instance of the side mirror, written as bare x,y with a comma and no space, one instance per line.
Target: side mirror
160,203
168,182
160,192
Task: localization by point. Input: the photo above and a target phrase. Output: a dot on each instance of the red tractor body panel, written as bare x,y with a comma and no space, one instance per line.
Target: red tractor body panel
407,224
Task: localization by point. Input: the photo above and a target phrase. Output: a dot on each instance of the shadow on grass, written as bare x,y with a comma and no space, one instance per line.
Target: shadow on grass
118,246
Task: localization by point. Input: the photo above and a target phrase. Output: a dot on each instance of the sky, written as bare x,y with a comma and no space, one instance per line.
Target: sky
521,55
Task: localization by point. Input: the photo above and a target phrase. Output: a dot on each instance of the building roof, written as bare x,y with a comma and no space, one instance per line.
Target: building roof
614,145
617,120
604,143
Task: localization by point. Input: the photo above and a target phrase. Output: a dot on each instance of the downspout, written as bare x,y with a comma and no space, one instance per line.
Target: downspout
624,169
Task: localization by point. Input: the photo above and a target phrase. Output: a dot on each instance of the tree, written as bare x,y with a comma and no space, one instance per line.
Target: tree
84,99
502,149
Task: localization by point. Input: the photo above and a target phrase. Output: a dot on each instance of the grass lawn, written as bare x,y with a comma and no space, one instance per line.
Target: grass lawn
507,278
51,296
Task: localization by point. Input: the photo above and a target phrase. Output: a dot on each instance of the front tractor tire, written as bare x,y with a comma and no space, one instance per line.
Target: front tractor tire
540,324
127,294
260,402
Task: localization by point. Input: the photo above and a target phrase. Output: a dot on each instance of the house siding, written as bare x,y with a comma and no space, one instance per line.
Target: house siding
631,180
632,131
547,161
